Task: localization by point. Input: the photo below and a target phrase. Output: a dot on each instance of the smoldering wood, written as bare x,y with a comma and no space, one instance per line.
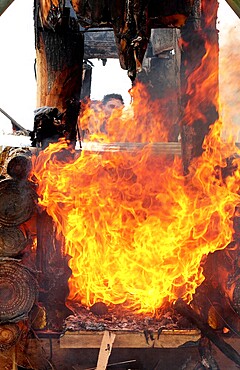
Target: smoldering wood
18,291
207,331
118,318
17,202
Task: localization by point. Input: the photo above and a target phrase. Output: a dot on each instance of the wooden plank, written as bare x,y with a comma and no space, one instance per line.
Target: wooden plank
173,148
100,43
105,349
126,339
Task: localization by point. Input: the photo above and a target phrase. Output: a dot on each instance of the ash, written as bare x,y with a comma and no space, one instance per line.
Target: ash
101,317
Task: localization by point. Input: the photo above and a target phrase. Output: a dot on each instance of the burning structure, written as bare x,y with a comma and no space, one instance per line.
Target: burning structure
136,233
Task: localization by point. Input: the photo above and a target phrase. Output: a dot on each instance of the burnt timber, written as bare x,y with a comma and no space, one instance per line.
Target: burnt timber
59,71
59,35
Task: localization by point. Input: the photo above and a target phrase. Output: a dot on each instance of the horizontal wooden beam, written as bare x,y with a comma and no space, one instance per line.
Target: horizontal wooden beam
100,44
173,148
127,339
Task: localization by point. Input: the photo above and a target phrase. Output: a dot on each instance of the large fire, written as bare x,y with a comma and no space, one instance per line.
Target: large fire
138,230
135,227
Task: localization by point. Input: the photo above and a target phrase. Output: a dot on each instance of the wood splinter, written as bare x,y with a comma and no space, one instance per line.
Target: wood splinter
105,350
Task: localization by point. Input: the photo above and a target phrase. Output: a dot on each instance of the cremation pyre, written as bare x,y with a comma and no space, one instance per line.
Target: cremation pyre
131,22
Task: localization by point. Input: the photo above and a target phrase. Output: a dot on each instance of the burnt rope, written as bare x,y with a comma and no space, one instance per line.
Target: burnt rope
207,331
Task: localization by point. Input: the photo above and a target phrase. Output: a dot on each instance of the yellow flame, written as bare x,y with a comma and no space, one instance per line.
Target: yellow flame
137,230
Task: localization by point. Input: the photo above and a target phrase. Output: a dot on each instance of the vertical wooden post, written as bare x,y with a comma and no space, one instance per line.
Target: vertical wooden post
162,76
59,59
199,110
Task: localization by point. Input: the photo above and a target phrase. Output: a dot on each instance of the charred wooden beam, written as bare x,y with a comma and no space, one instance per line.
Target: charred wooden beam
86,80
100,43
160,74
199,111
132,21
59,58
207,331
54,272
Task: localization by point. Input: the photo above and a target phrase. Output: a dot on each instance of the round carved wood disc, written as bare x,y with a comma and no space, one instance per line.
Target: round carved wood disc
12,241
19,167
16,202
9,334
18,291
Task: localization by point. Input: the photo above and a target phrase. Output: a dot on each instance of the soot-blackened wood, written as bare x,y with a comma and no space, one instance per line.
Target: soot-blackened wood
161,76
207,331
53,269
197,118
132,21
59,59
86,81
100,44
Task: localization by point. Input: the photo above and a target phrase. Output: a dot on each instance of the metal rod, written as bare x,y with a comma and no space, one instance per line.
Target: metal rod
26,132
115,363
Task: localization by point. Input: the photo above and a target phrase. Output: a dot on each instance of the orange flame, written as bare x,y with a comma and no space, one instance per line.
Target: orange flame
137,230
129,125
